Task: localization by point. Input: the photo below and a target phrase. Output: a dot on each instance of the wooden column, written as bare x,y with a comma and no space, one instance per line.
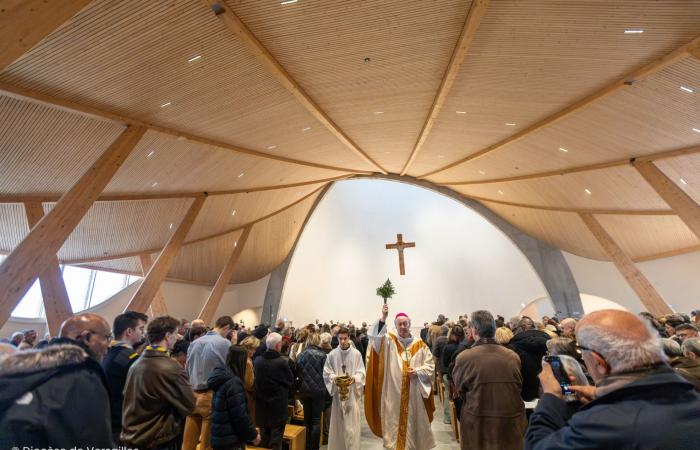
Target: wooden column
158,307
677,199
37,251
24,23
212,303
53,290
151,283
637,281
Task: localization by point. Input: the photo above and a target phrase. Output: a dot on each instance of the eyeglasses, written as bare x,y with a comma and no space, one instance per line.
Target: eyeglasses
109,336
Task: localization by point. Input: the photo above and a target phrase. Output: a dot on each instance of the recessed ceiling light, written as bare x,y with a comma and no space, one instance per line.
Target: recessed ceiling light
288,2
233,213
683,181
461,112
482,172
241,174
687,89
306,129
165,104
500,192
150,154
634,31
522,305
271,147
155,183
171,226
588,191
194,58
509,124
697,130
379,112
235,244
563,150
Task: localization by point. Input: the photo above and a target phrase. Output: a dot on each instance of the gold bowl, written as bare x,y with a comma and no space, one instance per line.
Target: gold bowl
343,383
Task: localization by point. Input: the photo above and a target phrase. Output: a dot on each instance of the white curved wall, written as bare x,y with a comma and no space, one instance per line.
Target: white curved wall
461,262
543,306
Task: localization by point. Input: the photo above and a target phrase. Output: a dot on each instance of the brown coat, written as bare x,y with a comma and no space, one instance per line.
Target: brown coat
433,333
157,396
488,378
249,386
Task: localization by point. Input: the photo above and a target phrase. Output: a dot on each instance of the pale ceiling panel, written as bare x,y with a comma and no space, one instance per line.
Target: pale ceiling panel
613,188
114,228
649,235
186,166
132,57
270,241
685,172
531,59
204,261
131,265
46,150
218,215
323,45
651,116
562,230
13,226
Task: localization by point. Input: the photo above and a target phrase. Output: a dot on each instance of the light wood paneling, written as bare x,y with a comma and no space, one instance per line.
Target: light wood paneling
158,306
13,226
687,169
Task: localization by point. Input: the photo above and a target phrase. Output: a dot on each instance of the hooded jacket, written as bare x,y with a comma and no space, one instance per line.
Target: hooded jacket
231,425
531,346
55,397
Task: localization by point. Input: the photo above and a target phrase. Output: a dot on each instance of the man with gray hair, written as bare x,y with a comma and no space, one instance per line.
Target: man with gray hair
638,401
487,377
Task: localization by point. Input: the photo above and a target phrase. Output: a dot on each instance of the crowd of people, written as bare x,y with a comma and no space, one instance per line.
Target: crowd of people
164,383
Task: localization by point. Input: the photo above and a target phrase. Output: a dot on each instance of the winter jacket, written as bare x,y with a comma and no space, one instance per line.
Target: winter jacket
310,364
689,369
531,346
116,365
273,383
659,411
54,397
231,426
157,396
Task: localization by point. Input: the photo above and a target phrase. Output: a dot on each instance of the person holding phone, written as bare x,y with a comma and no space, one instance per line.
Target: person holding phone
638,401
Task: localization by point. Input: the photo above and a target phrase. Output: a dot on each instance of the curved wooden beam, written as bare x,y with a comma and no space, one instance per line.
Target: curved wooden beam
74,107
471,24
639,74
585,168
23,198
238,29
668,254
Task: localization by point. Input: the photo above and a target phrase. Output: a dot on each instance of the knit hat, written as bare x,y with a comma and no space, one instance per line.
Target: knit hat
260,331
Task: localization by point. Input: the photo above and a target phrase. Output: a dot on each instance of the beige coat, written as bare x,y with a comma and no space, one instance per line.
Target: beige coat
488,379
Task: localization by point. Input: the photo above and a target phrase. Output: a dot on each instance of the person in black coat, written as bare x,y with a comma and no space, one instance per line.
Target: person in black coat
231,426
273,382
312,388
531,345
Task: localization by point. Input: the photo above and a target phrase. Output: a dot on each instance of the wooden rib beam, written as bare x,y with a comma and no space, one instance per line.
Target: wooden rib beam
585,168
143,297
35,253
24,23
683,205
194,241
53,289
471,24
23,198
158,306
74,107
239,29
627,80
668,254
214,299
651,299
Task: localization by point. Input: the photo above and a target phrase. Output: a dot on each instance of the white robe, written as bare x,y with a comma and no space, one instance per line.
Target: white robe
344,432
410,430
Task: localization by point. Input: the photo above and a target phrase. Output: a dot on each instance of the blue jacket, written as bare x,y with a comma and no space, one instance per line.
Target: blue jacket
660,411
231,425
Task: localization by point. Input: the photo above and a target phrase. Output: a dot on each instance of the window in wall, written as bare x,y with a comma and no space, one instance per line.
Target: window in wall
78,281
106,284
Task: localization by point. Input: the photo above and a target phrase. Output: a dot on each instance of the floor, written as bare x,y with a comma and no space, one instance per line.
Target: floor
442,433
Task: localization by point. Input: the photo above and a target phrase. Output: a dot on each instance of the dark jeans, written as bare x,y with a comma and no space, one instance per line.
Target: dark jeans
272,437
313,406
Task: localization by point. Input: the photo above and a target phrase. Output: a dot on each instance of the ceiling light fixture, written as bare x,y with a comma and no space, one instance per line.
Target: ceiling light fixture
509,124
150,154
194,58
241,174
379,112
588,191
461,112
305,129
155,183
482,172
271,147
687,89
500,192
171,226
697,130
634,31
165,104
683,181
563,150
288,2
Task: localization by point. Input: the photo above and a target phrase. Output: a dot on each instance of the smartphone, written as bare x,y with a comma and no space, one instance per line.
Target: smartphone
560,373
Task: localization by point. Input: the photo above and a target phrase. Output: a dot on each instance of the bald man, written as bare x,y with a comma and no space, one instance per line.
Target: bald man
638,401
57,397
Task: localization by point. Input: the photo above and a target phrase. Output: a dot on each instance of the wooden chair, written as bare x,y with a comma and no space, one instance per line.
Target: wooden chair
455,420
294,436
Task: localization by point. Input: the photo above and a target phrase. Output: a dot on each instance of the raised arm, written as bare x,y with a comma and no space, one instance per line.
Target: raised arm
378,330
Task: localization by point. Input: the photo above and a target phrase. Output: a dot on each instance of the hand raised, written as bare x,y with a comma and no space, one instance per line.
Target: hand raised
385,312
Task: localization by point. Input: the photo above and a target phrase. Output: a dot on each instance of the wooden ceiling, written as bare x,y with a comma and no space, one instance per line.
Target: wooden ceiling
535,108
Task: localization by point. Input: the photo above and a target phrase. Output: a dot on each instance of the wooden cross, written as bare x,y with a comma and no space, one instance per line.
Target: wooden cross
400,245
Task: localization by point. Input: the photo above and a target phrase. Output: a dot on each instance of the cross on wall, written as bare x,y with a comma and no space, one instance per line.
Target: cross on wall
400,245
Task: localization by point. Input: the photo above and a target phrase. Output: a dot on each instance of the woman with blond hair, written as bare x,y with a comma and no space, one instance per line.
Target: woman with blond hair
251,344
503,335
